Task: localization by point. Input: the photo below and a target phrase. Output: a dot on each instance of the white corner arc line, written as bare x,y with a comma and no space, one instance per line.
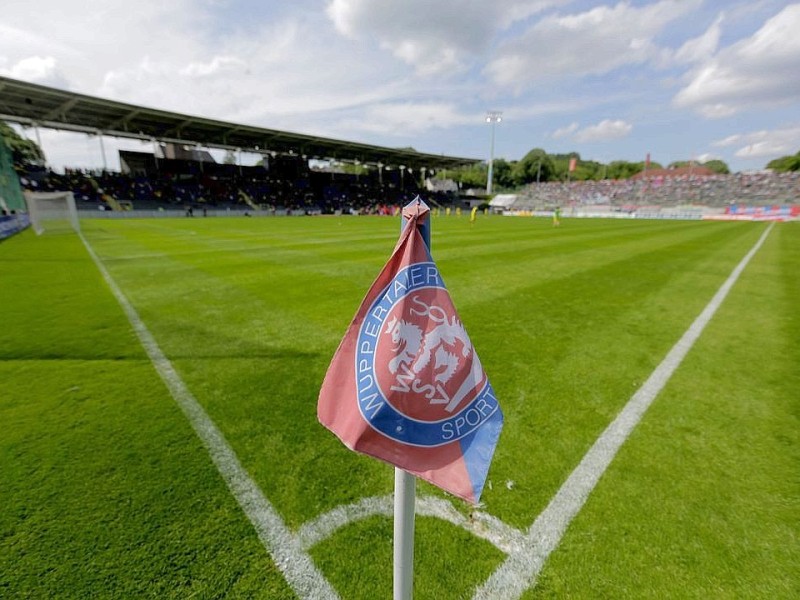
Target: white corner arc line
501,536
520,569
287,553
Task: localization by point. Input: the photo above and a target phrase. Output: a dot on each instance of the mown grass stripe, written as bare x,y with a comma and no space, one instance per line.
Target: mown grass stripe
521,568
287,553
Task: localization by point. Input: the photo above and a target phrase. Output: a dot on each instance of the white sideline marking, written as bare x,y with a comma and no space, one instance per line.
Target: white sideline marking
521,568
286,551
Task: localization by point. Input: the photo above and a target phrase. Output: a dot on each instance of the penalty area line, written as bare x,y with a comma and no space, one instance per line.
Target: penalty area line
284,548
521,569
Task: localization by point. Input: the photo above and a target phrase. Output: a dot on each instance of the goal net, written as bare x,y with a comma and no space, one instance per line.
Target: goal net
10,193
52,212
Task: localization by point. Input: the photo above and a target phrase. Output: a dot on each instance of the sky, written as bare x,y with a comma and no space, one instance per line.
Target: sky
678,79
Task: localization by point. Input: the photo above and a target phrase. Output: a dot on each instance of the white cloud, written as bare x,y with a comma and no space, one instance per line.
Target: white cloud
756,72
764,143
707,156
96,37
26,41
565,131
702,47
594,42
761,150
728,141
408,118
717,111
294,72
433,37
605,130
215,65
261,76
36,69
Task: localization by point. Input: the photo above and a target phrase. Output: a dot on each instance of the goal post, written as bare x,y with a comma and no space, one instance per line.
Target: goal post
52,211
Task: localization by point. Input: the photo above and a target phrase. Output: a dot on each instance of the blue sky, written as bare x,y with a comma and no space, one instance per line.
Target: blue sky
610,80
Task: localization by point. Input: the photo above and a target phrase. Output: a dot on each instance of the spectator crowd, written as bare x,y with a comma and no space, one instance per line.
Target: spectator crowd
757,189
290,186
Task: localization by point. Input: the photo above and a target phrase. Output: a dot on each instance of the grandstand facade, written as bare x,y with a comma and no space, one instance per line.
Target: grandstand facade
41,106
181,173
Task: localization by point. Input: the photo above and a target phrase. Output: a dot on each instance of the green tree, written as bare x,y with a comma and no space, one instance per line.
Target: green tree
502,175
475,175
622,169
679,164
536,165
785,163
561,165
587,170
468,176
23,150
718,166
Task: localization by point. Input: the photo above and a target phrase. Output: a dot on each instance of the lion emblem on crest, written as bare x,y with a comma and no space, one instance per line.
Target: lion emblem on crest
444,347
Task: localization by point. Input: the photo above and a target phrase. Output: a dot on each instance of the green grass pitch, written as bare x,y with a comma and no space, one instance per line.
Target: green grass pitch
106,492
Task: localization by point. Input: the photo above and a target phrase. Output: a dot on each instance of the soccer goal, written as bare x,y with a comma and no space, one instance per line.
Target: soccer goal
52,211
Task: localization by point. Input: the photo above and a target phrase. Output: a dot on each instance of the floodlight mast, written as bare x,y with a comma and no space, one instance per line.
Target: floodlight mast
493,117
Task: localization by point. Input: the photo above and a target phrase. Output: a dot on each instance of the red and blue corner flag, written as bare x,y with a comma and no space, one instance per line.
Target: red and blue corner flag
405,384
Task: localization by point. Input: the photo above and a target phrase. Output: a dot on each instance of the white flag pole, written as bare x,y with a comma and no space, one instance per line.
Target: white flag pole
405,484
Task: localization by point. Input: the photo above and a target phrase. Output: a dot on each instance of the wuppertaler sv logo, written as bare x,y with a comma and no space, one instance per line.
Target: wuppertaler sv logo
419,379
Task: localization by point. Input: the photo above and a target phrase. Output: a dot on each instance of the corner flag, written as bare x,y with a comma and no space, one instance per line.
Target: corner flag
405,384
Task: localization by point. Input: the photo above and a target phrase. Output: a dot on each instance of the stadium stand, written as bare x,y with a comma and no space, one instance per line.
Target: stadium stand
286,184
666,190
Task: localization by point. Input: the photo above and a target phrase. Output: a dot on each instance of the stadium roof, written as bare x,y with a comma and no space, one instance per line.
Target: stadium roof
36,105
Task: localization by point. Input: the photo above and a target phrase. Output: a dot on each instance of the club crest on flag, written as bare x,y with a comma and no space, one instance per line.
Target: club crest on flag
406,385
420,381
